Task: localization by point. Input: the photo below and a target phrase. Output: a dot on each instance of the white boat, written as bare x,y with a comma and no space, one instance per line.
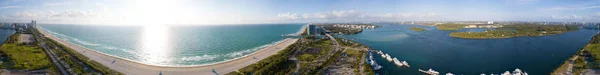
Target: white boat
377,67
370,56
397,62
383,55
518,72
433,71
506,73
430,72
405,64
449,74
388,57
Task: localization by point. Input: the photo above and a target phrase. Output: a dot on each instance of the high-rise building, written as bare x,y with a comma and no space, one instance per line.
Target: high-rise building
311,29
33,23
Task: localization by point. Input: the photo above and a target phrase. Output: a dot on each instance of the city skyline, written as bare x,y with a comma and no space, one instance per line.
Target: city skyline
144,12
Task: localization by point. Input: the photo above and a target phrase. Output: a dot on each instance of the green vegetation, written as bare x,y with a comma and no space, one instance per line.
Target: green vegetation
517,30
416,29
594,48
91,63
72,62
591,50
307,57
277,64
310,61
450,26
24,57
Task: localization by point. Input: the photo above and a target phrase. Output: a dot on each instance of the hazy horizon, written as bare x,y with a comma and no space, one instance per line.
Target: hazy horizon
211,12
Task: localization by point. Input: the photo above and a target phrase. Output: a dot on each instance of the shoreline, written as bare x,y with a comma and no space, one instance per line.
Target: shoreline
135,67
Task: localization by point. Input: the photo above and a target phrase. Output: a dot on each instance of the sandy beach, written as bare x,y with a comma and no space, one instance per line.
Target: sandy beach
130,67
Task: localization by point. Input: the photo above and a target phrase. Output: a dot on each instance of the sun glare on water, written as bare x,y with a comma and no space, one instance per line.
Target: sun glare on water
155,45
153,16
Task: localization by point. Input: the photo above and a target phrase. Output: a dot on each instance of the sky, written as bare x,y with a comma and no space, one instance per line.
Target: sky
143,12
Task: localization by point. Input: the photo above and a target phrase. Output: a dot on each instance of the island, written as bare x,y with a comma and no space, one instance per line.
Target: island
508,31
576,64
417,29
450,26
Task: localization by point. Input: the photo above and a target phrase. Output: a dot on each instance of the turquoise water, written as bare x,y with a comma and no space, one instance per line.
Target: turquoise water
174,45
437,50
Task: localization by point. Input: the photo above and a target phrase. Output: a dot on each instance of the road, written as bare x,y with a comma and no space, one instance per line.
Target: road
62,67
59,62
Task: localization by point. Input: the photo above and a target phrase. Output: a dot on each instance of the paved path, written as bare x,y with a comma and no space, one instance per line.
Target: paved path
570,66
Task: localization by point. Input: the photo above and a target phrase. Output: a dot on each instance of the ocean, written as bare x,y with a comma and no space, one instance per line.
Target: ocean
176,45
435,49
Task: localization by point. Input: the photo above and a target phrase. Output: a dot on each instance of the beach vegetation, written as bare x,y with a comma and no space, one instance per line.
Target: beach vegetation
277,64
587,58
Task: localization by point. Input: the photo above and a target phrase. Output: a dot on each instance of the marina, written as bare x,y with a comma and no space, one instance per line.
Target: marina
392,59
372,62
515,72
424,50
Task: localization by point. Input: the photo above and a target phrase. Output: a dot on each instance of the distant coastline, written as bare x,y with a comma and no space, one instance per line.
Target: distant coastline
510,31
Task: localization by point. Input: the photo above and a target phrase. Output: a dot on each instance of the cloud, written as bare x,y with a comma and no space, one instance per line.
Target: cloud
323,15
572,8
52,16
26,14
287,16
351,14
7,7
410,15
521,2
73,14
590,17
567,17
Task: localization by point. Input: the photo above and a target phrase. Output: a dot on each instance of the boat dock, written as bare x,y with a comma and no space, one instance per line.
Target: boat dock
372,62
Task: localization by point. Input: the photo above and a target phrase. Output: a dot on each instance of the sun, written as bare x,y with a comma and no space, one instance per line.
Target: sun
154,12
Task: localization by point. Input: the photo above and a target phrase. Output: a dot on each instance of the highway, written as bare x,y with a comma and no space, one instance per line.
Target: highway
61,65
64,68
